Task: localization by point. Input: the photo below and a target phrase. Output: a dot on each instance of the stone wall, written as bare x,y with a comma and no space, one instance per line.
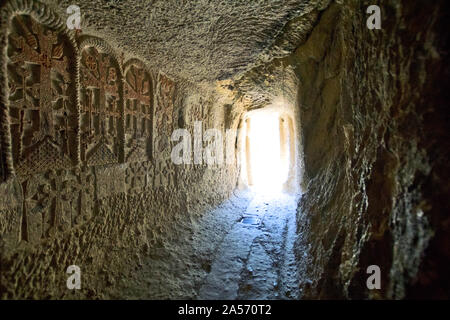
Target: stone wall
86,173
376,148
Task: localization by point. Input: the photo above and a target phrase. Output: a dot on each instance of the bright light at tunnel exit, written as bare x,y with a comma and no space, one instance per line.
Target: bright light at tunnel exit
268,169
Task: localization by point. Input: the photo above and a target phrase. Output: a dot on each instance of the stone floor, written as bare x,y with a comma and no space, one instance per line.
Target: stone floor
241,250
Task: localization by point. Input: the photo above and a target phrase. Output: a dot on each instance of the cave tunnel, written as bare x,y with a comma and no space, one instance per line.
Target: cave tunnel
230,150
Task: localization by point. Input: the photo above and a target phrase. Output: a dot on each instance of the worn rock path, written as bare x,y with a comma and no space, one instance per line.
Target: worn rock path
243,249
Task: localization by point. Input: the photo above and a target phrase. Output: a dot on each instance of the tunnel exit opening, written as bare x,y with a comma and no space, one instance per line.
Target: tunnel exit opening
267,154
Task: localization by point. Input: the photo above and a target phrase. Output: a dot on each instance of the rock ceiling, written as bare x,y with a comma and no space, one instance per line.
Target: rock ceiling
202,40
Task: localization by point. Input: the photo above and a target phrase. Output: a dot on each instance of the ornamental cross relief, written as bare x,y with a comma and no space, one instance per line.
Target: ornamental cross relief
138,114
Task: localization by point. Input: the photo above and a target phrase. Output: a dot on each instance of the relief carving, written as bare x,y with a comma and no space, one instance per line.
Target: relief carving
139,177
51,202
85,186
195,111
110,180
101,108
11,206
68,157
57,201
134,177
163,114
138,112
165,174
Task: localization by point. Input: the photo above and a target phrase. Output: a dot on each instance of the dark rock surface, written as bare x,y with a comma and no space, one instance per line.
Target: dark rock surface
375,132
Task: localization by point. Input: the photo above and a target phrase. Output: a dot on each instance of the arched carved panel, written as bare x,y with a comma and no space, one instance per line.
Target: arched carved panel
165,96
42,97
56,201
139,177
138,112
101,119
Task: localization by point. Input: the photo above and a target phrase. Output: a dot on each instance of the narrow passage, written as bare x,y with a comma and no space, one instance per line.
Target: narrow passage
243,249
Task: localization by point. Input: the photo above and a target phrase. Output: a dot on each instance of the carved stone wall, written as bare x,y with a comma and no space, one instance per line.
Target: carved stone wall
85,170
42,87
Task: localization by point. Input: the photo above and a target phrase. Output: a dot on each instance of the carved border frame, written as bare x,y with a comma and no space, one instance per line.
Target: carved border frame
44,15
85,41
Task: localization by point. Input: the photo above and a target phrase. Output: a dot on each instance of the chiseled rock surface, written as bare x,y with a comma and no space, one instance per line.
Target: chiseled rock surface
376,152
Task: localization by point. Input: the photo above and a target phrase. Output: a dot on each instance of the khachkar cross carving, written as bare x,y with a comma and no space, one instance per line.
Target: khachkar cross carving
40,111
41,47
138,111
100,108
62,112
164,114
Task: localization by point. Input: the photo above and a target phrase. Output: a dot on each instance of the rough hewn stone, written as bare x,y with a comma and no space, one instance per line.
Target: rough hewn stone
374,144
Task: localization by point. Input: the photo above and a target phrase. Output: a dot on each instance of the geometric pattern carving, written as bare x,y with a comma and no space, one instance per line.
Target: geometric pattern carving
138,112
101,154
101,110
195,111
110,180
43,155
42,109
